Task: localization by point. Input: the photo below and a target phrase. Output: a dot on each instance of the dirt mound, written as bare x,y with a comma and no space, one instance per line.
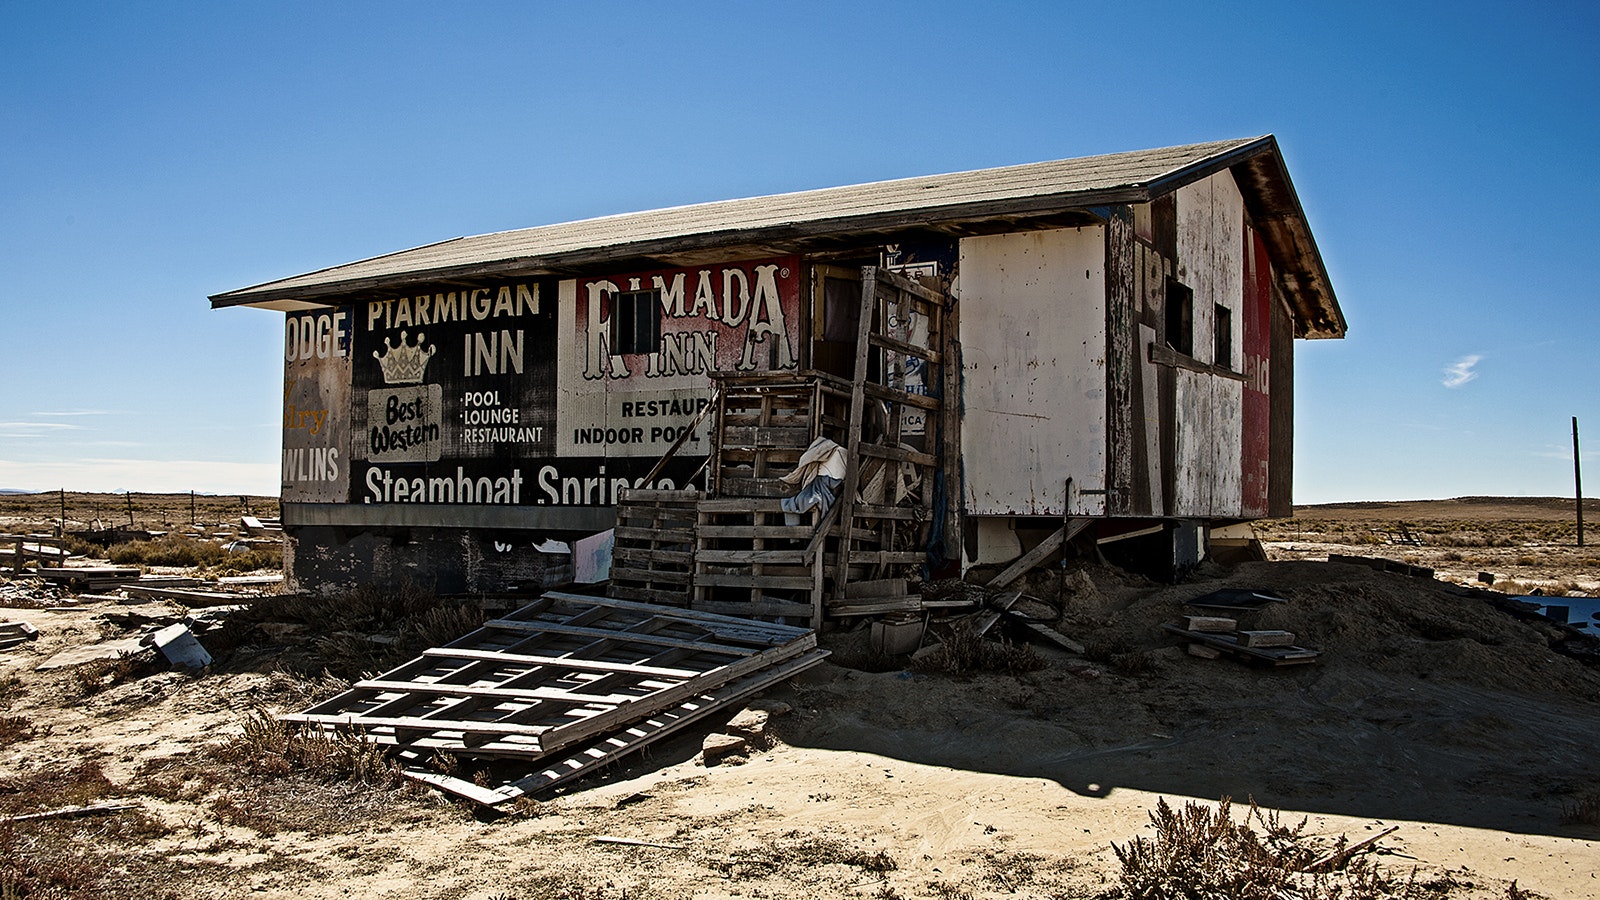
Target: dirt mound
1377,621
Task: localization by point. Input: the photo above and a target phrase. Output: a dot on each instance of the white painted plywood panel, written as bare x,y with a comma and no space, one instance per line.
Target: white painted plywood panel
1033,359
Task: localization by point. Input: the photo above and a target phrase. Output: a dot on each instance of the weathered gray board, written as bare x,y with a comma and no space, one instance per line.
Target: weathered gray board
556,674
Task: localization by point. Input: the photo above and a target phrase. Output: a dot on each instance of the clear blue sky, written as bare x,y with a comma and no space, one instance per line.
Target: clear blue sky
154,153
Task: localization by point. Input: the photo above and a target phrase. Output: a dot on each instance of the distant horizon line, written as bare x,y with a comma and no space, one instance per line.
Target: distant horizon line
13,492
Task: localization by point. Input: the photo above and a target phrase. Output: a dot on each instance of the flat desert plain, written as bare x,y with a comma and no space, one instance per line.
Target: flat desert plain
1431,711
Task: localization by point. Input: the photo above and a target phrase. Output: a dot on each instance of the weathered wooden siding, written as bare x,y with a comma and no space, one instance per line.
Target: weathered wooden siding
1208,407
1123,397
1257,427
1033,337
1280,475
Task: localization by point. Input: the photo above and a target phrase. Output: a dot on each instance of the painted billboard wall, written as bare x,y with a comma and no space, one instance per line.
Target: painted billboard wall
523,393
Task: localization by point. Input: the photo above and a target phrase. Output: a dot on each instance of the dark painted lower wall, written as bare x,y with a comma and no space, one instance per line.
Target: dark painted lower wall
328,559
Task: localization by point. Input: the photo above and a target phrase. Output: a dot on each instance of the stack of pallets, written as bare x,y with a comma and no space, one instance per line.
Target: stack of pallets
568,684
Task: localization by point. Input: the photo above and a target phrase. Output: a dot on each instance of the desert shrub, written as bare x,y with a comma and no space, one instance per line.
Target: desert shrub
964,651
77,546
1584,810
167,550
15,730
254,559
1198,852
181,551
272,748
798,850
96,675
370,628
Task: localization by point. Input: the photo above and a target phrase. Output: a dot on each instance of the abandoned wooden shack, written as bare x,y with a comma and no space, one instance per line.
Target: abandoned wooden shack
1002,359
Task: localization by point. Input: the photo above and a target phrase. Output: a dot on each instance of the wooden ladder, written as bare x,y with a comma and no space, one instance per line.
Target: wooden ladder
887,500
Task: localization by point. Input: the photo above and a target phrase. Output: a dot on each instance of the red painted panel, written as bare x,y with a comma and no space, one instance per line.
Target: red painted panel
1257,430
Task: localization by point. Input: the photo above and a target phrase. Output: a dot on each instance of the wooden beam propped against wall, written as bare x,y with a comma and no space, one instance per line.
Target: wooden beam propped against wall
1069,529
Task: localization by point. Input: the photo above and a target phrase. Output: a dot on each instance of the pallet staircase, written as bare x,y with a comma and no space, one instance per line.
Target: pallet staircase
743,555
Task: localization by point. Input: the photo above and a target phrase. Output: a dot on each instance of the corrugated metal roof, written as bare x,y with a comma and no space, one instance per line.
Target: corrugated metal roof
1034,189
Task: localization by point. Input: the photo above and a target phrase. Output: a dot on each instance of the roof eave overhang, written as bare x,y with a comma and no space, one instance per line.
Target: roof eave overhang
790,237
1257,165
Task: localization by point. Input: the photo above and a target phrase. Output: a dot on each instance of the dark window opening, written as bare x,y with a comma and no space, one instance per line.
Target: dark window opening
636,322
1180,318
1222,337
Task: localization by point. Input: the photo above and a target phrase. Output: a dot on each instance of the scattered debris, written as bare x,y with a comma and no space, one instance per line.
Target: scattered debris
1231,643
1210,624
1235,600
1336,858
74,656
1382,565
635,842
177,643
91,578
897,634
181,595
72,812
15,633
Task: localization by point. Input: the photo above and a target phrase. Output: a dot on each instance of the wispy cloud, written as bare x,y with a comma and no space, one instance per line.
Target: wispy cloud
75,412
26,430
1461,371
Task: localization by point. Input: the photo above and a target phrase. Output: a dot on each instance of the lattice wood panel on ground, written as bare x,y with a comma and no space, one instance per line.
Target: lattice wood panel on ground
560,672
653,555
576,761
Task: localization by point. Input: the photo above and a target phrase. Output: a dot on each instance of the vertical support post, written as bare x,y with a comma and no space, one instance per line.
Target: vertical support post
128,496
191,507
62,531
1577,478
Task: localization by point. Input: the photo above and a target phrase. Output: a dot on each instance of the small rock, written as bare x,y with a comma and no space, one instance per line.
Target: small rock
278,631
772,707
718,746
750,724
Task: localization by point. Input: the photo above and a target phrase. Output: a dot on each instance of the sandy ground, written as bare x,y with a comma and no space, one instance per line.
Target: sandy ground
1429,710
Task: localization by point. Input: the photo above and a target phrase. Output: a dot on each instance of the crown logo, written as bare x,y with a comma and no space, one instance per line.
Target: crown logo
405,363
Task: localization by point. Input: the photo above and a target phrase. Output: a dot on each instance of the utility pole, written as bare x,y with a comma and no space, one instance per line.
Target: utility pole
128,495
62,531
1577,478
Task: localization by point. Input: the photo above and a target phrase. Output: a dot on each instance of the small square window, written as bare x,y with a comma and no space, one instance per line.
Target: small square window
1222,337
636,322
1180,317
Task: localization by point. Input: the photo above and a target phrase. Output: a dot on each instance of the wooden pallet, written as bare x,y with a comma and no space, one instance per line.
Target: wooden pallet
653,559
749,561
561,671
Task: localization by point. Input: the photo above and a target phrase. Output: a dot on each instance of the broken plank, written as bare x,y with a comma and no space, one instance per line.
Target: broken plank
635,842
1266,638
1210,624
69,812
1049,545
1055,637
